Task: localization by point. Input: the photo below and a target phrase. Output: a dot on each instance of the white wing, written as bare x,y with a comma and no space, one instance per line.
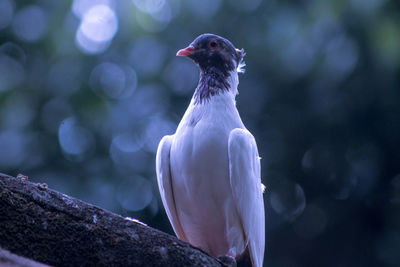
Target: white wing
165,184
245,178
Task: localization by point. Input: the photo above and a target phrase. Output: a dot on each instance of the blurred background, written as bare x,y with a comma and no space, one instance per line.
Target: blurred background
89,87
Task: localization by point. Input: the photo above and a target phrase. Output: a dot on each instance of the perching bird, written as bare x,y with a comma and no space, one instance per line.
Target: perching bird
209,171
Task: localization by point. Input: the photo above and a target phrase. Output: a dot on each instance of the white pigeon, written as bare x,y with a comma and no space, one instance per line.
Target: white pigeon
209,171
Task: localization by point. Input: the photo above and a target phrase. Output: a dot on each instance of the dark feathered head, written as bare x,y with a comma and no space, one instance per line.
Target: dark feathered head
210,50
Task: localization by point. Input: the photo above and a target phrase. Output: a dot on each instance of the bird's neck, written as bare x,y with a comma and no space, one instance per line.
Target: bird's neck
213,82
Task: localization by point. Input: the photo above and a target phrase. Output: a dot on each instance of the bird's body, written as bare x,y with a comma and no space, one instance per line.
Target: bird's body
199,155
209,176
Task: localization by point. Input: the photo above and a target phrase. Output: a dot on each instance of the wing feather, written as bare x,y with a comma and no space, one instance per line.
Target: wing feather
164,180
245,179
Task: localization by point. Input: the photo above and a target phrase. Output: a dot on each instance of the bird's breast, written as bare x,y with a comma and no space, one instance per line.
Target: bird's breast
199,158
200,175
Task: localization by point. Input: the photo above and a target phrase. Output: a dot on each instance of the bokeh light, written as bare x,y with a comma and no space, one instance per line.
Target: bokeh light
99,24
74,139
113,81
30,23
153,15
287,199
80,7
98,27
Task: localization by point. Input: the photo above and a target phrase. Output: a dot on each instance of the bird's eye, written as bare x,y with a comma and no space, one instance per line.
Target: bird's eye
213,44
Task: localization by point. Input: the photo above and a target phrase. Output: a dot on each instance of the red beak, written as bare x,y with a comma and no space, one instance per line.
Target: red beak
186,51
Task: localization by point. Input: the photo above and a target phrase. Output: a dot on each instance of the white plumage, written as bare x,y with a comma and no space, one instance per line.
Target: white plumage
209,179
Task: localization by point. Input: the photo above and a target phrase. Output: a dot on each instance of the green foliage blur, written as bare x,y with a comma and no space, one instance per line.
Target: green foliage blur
89,87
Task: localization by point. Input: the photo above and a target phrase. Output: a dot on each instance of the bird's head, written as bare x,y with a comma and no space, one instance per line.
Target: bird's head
213,51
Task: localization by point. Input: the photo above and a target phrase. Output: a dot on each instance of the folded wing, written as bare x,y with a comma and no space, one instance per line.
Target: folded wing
165,184
245,179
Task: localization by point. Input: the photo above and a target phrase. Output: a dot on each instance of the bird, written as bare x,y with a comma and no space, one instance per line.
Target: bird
208,172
